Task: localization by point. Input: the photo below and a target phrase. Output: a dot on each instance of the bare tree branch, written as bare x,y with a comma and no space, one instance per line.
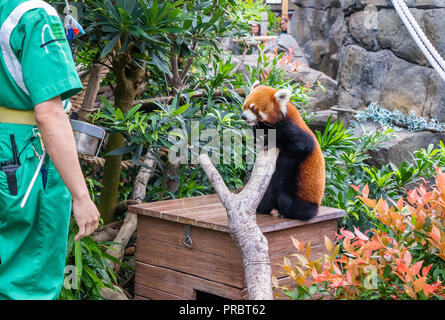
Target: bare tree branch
241,213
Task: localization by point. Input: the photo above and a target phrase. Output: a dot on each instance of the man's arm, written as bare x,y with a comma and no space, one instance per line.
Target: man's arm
59,141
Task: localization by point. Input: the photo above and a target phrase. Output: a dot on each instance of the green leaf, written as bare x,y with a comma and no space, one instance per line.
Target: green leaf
121,151
110,45
180,110
107,105
160,63
78,260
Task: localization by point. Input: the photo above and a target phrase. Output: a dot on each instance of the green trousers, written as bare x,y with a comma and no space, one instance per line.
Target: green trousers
33,240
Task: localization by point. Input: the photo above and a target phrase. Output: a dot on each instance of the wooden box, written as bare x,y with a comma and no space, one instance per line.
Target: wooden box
170,266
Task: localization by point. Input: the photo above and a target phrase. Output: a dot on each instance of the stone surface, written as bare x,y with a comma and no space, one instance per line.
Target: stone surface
381,77
320,99
321,119
365,47
287,44
402,146
384,29
320,30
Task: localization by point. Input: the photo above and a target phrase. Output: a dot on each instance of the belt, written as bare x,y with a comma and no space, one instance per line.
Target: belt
8,115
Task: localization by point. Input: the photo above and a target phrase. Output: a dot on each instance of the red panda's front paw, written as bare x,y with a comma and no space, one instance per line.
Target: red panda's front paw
281,216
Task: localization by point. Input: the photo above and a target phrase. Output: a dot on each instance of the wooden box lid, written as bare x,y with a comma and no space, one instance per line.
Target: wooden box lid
208,212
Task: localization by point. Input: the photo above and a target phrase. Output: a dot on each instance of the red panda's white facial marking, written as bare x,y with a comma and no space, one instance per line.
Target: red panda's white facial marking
249,117
263,115
255,84
283,97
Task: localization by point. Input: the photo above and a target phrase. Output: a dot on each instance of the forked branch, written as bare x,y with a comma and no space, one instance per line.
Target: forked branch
241,213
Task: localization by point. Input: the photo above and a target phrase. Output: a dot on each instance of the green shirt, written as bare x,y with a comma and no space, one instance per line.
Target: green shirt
36,63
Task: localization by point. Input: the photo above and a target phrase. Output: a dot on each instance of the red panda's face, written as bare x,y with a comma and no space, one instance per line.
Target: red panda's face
265,104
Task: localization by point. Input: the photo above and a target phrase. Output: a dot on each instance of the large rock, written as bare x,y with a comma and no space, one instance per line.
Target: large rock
367,77
364,45
321,98
321,118
383,29
287,44
319,30
401,147
421,4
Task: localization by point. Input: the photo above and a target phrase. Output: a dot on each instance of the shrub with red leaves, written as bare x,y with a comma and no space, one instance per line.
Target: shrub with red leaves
403,257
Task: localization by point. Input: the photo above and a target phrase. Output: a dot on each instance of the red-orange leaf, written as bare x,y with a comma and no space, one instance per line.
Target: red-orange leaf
348,234
440,179
425,270
409,291
407,257
412,196
435,234
368,202
419,284
360,235
416,267
365,191
400,204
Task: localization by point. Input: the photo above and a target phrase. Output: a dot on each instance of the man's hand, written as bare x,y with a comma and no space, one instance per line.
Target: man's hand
86,215
59,142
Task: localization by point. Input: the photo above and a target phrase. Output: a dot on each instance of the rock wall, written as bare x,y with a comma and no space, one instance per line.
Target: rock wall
366,47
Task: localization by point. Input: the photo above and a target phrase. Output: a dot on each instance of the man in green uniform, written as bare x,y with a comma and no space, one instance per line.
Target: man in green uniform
36,73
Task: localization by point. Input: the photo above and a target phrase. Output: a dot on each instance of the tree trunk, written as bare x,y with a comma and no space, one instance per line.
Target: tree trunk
96,75
111,176
241,213
129,76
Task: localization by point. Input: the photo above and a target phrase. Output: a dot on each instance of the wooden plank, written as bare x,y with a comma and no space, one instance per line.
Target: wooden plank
270,223
284,8
177,203
180,284
205,265
280,241
208,212
217,220
206,240
174,209
154,294
136,297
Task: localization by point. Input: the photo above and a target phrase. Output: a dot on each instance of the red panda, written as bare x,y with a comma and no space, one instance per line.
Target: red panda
297,185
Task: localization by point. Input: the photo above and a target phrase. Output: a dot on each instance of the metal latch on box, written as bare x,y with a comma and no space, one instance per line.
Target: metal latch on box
188,242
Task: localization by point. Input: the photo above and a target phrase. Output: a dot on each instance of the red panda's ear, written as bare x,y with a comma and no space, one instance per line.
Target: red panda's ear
283,96
254,85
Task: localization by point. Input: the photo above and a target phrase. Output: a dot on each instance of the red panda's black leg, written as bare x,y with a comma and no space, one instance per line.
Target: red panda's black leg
293,207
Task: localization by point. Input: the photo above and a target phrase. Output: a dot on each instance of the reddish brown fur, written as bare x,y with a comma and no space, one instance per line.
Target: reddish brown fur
312,173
